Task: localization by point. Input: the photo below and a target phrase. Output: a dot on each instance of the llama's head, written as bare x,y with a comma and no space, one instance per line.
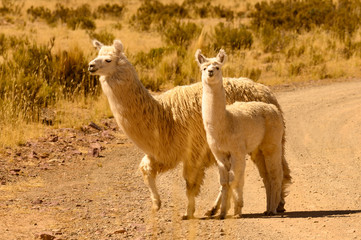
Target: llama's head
108,59
211,67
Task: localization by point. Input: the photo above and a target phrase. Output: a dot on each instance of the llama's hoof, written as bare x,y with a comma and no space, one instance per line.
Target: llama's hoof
211,212
237,216
269,213
186,217
222,216
281,208
156,205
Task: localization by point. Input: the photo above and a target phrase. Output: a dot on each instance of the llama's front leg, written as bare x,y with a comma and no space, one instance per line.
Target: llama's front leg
149,175
238,166
225,190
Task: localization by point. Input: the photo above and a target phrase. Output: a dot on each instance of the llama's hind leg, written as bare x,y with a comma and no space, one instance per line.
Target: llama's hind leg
194,178
285,183
258,158
149,175
273,162
216,204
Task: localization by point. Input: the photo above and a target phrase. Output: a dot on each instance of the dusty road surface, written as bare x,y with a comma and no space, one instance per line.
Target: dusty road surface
105,198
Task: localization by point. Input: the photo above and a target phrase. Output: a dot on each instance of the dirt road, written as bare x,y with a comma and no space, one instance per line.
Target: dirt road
105,198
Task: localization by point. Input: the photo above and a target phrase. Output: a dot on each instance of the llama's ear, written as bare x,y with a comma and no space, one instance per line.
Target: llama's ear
199,57
118,45
221,57
97,44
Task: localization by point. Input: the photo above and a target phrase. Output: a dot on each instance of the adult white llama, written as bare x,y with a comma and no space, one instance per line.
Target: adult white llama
235,130
169,128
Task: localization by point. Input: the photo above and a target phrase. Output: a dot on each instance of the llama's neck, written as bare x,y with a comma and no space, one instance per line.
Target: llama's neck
213,106
134,109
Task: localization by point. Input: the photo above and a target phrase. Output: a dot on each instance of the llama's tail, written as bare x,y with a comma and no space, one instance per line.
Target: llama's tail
287,179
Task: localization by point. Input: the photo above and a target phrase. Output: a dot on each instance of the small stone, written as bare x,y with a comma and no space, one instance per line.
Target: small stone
37,201
54,139
95,149
45,236
119,231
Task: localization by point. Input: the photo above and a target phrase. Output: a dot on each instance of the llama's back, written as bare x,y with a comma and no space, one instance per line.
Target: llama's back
185,104
186,101
246,90
257,120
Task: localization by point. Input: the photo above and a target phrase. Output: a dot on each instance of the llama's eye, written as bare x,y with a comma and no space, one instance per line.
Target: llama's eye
217,68
108,60
204,69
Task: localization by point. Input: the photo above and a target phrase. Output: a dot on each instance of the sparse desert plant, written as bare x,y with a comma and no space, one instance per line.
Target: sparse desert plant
180,34
33,77
151,59
111,10
232,38
80,17
274,40
155,12
11,7
104,35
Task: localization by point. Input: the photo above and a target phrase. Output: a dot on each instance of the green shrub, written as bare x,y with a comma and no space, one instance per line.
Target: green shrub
222,12
343,18
42,13
274,40
151,59
80,17
155,12
205,9
11,7
33,77
296,69
103,36
292,14
180,34
346,19
80,22
110,10
231,38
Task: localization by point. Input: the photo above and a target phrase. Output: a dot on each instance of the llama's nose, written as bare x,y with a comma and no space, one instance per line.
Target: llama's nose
91,67
210,73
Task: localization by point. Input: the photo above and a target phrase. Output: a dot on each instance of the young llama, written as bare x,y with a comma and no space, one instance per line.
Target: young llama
168,128
236,130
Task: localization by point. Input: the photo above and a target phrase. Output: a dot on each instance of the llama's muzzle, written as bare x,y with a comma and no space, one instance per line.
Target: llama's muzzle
210,73
92,68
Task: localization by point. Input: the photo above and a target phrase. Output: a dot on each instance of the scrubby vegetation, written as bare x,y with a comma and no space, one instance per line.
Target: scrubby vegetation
33,77
268,41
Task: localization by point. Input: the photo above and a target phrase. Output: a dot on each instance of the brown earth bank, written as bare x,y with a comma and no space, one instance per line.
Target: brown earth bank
85,184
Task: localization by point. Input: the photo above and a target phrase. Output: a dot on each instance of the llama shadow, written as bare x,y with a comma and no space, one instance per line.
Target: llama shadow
296,214
307,214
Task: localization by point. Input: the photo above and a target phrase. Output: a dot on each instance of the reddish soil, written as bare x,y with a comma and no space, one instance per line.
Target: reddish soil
85,184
